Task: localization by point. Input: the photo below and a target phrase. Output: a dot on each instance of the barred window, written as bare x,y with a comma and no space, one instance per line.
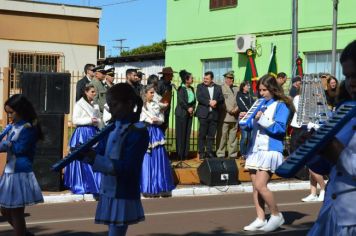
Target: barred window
218,67
32,62
321,62
218,4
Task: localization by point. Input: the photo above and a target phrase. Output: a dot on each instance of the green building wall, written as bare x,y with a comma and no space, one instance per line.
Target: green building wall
195,33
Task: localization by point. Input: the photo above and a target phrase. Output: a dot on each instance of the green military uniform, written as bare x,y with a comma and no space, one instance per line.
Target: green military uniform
227,127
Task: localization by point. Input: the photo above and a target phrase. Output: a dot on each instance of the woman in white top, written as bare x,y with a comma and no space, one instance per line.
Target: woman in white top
156,179
78,176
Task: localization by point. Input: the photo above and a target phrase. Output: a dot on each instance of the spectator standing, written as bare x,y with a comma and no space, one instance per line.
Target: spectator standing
210,98
184,113
227,128
100,89
89,75
165,89
244,102
296,83
331,92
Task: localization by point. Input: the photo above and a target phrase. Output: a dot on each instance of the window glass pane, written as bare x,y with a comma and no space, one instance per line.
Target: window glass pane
218,67
317,62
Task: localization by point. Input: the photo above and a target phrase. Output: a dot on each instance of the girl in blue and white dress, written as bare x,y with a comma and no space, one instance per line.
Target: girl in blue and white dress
78,176
121,162
337,216
265,151
18,184
157,179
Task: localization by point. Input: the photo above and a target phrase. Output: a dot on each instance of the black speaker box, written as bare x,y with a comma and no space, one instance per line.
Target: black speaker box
49,92
218,172
47,179
49,151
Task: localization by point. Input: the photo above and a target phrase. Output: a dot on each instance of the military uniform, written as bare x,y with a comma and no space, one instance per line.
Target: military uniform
227,129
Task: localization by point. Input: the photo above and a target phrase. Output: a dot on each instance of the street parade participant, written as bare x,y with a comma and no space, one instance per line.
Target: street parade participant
265,152
157,178
18,184
121,162
78,176
337,215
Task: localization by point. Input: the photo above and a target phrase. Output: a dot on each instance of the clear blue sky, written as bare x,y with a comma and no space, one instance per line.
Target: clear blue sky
140,22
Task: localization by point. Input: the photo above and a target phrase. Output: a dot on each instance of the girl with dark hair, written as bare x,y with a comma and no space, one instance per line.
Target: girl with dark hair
121,162
337,216
78,176
184,114
18,184
265,153
331,92
244,102
157,179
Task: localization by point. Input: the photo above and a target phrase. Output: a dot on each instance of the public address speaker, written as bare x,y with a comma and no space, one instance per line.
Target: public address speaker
218,172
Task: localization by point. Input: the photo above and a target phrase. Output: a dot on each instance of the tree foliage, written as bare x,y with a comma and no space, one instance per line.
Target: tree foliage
153,48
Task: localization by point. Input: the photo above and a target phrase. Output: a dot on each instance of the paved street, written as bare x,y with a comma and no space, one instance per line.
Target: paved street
207,215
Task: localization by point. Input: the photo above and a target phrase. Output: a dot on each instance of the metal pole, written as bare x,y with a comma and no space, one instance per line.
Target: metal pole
334,37
294,34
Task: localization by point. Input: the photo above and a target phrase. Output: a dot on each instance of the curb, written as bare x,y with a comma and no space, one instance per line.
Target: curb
189,191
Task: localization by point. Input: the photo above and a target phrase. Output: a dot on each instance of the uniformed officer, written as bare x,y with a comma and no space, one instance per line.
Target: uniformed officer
226,137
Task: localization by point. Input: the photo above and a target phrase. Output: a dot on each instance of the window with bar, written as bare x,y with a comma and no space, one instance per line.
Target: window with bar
221,4
218,67
32,62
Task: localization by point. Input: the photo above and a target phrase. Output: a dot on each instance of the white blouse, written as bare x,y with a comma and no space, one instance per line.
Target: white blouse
153,110
83,113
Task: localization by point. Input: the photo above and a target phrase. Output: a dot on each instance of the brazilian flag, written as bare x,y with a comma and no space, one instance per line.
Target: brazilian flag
251,75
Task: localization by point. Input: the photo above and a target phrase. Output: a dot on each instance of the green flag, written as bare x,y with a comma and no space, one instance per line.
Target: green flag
272,69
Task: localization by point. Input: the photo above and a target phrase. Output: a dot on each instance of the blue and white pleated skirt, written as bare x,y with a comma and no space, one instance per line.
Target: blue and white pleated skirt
79,177
156,175
19,190
115,211
327,223
264,160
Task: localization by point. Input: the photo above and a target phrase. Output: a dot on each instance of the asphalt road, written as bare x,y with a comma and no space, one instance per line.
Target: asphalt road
204,215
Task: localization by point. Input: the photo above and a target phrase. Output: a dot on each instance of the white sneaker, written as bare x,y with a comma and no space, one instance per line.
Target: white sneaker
255,225
321,196
273,223
310,198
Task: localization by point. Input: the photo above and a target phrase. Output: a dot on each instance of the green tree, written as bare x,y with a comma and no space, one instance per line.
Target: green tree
153,48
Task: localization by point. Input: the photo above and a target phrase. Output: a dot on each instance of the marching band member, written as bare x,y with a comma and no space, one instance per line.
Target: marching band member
265,153
121,163
18,184
78,176
338,215
157,179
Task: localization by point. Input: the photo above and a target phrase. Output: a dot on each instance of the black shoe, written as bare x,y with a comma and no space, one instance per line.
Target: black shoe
29,234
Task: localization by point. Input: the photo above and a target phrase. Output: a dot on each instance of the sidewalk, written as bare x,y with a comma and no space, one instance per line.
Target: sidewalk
188,191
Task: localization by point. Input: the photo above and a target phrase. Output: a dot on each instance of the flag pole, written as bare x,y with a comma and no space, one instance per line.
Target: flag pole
294,34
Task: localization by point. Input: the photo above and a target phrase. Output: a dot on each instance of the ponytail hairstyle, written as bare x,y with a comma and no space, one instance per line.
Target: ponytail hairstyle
144,92
86,89
272,86
123,103
184,76
25,110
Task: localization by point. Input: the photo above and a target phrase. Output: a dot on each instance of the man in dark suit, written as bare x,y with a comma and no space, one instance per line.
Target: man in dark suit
210,98
89,75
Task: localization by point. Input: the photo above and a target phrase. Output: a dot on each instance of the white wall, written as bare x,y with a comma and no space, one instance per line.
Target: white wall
147,67
76,56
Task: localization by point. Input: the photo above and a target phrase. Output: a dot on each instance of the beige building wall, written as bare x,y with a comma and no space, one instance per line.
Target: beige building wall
49,28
